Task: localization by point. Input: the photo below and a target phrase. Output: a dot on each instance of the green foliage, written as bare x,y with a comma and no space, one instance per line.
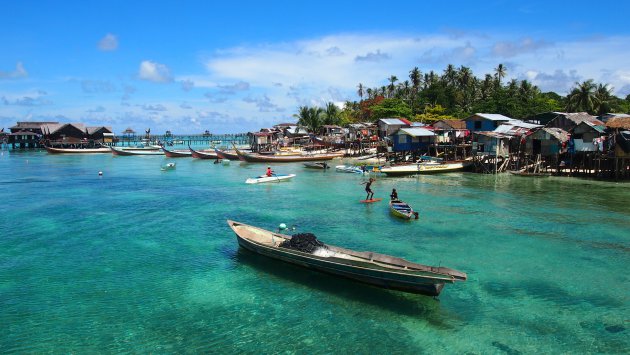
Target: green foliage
390,108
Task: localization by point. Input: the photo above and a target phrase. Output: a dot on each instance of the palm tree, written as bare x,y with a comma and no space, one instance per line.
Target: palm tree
450,74
500,73
310,117
416,77
331,114
603,95
582,97
360,91
392,79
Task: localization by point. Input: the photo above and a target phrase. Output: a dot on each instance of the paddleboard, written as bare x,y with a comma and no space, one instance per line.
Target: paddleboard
371,200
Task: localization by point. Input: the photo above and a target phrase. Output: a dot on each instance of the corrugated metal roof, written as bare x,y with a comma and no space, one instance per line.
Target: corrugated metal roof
416,132
392,121
619,122
492,116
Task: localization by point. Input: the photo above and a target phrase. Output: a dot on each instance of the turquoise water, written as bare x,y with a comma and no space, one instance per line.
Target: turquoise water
141,260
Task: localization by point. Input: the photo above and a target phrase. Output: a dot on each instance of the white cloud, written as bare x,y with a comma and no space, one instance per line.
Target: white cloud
19,72
108,43
156,72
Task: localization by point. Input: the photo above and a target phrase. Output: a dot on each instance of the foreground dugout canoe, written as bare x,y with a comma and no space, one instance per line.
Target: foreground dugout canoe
402,210
267,158
197,154
127,151
177,153
371,268
52,150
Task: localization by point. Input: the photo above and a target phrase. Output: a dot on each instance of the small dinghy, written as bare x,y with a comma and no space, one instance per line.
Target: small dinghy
265,178
168,166
402,209
316,165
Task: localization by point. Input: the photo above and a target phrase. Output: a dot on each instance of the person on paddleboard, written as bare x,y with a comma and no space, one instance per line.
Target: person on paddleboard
368,189
269,172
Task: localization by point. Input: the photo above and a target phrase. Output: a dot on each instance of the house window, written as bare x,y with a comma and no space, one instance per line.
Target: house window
477,124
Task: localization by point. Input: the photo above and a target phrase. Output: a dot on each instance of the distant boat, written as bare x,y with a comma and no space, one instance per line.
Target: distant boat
52,150
198,154
426,167
265,178
177,153
402,210
225,154
280,158
350,169
371,268
126,152
316,165
168,166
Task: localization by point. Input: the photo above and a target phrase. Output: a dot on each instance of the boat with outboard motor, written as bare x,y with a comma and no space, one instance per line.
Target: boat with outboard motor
317,165
371,268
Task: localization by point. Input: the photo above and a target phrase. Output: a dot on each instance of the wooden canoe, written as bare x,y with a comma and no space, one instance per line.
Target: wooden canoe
268,158
371,268
402,210
202,154
52,150
127,151
177,153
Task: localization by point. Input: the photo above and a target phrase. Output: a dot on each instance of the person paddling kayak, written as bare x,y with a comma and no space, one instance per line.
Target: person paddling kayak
368,189
269,171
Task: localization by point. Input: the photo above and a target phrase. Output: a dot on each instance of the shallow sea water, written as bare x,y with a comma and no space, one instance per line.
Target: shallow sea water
141,260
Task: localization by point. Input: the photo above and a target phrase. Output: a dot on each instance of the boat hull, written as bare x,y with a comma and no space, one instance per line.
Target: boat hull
406,280
202,155
176,153
411,169
401,210
128,152
222,154
52,150
276,178
263,158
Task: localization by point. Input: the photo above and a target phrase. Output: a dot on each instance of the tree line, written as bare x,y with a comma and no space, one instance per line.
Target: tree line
456,94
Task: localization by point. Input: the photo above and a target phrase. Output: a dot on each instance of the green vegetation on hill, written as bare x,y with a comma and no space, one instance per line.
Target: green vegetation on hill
457,94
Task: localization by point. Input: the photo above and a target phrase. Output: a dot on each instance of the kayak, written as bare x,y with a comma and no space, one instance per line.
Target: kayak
265,178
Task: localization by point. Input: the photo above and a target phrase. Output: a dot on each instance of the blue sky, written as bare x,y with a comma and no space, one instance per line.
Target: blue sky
191,66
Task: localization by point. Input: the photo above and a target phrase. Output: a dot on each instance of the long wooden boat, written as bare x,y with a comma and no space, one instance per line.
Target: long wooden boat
371,268
265,178
426,168
177,153
53,150
317,165
126,152
402,209
265,158
202,155
226,154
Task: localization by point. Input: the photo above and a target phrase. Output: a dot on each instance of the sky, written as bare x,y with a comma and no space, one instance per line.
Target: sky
231,67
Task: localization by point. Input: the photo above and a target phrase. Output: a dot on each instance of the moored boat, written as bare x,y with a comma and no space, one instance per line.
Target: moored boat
402,209
128,151
265,178
316,165
426,167
177,153
281,158
53,150
198,154
371,268
349,169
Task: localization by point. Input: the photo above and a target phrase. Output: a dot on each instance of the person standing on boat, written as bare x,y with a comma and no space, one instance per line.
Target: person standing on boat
269,171
368,185
394,195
